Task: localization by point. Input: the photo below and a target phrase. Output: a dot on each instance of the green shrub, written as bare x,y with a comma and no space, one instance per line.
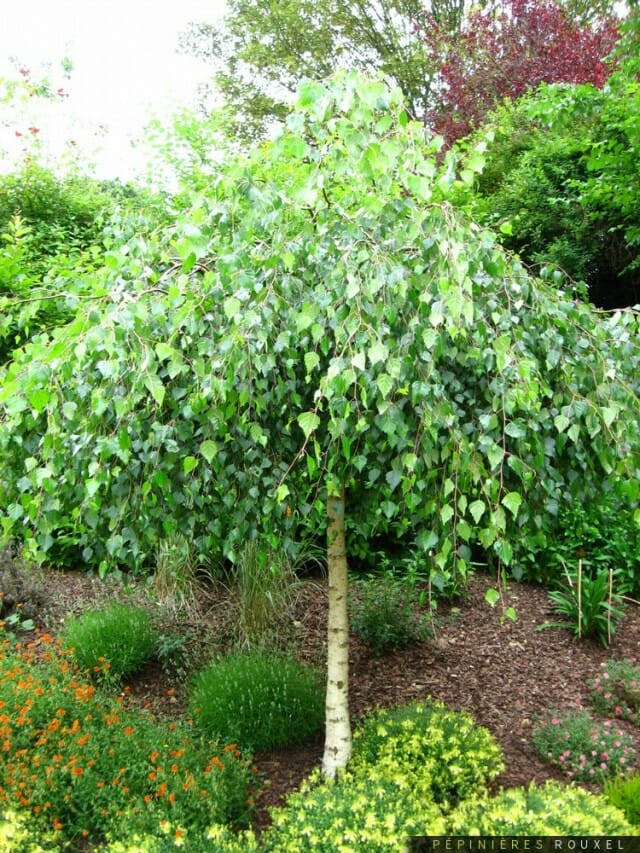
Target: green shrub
601,532
112,642
88,767
616,691
385,612
584,749
259,700
623,792
426,740
553,809
364,811
588,604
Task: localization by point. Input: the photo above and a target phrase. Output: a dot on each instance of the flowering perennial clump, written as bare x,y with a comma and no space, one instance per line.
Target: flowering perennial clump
586,750
85,766
616,690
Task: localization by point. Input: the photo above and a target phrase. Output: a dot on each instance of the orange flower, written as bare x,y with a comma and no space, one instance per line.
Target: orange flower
174,768
154,757
129,730
77,771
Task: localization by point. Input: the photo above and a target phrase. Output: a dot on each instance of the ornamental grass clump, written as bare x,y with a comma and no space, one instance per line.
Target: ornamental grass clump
584,749
112,642
87,767
426,740
553,809
260,700
616,690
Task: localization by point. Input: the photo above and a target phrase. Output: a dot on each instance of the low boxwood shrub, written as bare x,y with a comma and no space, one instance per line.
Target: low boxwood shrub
363,811
111,642
257,699
553,809
427,740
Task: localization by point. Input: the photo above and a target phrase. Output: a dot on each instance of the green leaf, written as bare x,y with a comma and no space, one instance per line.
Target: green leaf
209,450
189,463
155,387
512,501
39,399
309,423
492,597
311,361
495,455
477,508
385,384
231,307
378,352
561,422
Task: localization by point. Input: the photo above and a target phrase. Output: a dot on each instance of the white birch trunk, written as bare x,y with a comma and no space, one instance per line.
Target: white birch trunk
337,747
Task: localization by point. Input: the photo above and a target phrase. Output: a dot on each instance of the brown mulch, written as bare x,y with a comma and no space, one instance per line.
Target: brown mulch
504,673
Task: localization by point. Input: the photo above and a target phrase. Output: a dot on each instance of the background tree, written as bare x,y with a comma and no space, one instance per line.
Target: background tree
337,351
560,185
505,51
263,49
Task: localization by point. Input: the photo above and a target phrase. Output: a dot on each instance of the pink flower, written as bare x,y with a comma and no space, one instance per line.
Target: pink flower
605,756
605,675
617,710
555,721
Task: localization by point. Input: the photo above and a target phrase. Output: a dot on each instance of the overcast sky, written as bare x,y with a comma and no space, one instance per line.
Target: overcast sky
125,65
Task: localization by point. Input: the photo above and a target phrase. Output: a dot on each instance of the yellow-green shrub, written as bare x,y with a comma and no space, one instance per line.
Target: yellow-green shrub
553,809
445,749
372,811
17,832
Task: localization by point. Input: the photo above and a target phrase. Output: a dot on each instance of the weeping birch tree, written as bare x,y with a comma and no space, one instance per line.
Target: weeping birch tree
322,343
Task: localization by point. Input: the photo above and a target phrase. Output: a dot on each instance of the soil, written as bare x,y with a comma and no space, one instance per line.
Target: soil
504,673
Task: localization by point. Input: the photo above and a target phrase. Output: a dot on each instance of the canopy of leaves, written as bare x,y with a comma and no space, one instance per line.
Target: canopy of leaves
263,49
507,50
332,320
